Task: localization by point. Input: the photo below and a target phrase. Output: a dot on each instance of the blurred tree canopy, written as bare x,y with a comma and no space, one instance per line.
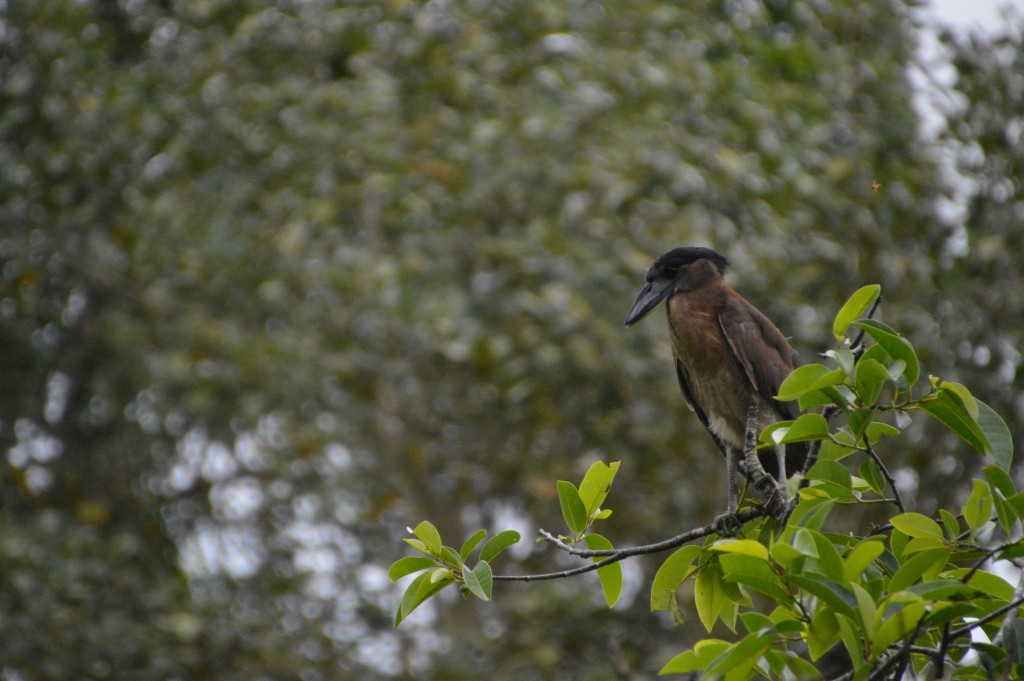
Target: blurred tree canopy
279,279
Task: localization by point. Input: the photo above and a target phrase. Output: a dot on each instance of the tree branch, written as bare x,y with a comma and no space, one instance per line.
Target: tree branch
885,473
615,555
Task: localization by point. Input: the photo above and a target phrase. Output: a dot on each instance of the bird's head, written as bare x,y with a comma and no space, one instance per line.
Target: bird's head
678,271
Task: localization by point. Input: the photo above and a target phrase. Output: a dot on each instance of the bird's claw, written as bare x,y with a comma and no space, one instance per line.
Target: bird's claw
778,508
727,525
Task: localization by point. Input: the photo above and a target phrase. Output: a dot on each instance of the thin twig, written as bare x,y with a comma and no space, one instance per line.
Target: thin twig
1012,605
885,473
615,555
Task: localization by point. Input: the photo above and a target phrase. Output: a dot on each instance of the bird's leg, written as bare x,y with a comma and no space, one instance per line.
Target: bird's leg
726,525
780,458
773,491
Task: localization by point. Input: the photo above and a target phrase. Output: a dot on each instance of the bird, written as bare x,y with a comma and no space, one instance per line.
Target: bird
727,354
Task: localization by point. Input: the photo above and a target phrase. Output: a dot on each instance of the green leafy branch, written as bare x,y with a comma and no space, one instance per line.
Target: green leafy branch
906,596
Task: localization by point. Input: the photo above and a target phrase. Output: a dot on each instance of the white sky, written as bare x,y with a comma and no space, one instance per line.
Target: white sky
972,14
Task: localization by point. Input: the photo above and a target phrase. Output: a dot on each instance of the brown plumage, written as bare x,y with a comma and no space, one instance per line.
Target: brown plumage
727,354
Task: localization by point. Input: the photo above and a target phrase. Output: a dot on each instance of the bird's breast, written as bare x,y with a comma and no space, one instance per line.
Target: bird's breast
717,384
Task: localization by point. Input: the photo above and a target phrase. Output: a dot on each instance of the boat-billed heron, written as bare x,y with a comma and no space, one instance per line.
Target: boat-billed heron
727,355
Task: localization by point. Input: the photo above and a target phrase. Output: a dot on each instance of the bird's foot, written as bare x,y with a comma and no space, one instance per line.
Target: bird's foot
727,525
778,507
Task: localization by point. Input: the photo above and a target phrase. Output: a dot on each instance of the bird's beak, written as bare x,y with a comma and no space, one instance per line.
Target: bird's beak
650,295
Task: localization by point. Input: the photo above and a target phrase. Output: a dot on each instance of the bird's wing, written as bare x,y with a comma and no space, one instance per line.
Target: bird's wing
759,349
684,385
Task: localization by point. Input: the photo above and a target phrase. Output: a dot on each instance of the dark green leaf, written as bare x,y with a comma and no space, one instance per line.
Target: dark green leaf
837,596
950,411
870,471
822,633
1000,480
997,434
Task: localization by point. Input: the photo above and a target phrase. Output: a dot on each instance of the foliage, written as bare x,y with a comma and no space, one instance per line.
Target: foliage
905,595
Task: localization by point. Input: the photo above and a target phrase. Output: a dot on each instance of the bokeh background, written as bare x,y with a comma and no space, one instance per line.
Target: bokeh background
278,280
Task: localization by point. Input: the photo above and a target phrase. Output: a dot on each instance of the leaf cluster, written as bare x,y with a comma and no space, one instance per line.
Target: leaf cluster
907,595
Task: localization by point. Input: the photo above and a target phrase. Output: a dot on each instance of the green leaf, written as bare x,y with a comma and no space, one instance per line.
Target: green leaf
924,565
828,558
755,573
830,471
1000,480
843,356
811,513
998,435
418,591
698,659
965,396
949,409
573,510
498,543
610,575
800,381
853,308
870,471
835,595
895,345
479,581
822,633
672,573
807,427
918,544
746,547
408,565
860,558
869,380
866,608
978,509
596,484
949,522
741,657
470,544
897,625
916,525
709,594
877,430
428,534
860,419
986,582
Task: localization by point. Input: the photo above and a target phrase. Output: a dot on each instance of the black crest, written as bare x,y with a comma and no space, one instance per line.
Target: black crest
669,263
